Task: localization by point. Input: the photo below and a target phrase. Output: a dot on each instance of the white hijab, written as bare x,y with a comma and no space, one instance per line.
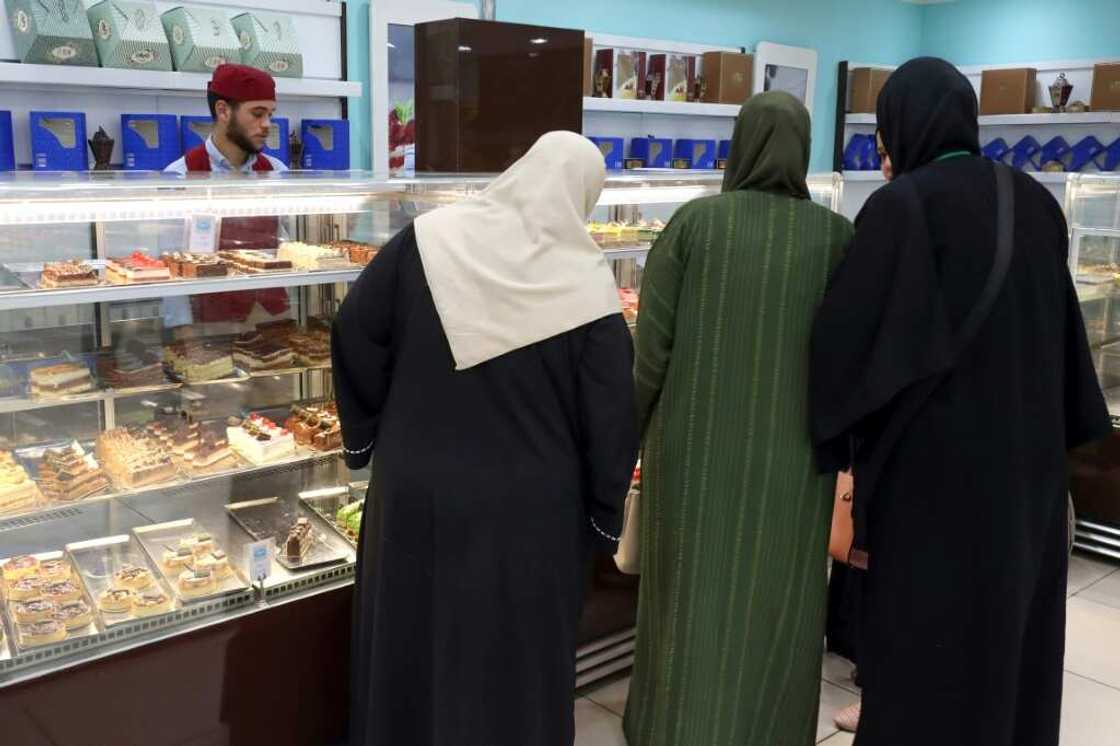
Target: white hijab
514,265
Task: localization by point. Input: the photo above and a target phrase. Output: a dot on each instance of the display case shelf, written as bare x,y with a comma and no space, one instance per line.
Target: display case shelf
682,108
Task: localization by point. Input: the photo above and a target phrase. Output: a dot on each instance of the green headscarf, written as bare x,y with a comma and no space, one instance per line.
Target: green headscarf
770,147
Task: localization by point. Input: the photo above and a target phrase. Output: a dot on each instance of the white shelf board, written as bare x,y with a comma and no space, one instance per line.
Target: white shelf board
624,106
58,78
1003,120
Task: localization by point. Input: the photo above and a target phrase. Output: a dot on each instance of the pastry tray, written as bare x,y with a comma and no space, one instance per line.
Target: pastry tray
325,503
271,518
159,537
16,644
97,560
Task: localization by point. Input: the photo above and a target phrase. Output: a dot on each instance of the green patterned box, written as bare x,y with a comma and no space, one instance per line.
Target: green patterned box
201,39
52,33
129,34
268,42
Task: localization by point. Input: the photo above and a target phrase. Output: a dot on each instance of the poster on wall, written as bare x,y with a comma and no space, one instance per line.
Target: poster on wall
790,69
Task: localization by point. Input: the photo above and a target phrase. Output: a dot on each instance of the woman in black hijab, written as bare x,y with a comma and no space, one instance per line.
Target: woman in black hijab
959,455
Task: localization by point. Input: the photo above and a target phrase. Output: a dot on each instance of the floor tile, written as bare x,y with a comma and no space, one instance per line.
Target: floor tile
1085,569
612,696
833,699
596,726
1092,631
840,739
1106,591
838,671
1090,712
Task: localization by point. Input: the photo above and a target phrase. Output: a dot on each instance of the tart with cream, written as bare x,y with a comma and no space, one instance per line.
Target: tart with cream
62,591
25,588
33,610
151,602
115,600
74,615
132,577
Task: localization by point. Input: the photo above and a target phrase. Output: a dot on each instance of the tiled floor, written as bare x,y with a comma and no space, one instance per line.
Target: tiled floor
1090,710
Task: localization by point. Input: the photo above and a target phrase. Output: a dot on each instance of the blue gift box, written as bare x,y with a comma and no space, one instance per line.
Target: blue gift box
1110,157
7,144
1084,152
653,152
277,143
996,150
326,144
1055,151
150,142
194,130
859,154
612,150
698,153
1023,154
58,141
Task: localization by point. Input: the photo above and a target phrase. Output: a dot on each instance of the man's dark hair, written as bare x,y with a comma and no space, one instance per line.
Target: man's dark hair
213,98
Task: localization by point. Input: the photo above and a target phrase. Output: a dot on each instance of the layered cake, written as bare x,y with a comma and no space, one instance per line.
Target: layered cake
279,331
137,268
312,348
355,251
17,491
70,474
629,300
253,352
213,452
299,540
310,257
252,261
315,427
260,440
127,371
195,360
134,459
64,379
193,266
70,274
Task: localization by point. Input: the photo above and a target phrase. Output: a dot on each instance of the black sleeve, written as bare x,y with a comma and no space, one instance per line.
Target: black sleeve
609,425
1087,417
361,351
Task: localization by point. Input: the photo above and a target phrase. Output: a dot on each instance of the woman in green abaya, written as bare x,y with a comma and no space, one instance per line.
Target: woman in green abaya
734,520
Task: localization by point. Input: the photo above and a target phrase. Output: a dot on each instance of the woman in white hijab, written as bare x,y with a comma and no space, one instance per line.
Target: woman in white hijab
482,361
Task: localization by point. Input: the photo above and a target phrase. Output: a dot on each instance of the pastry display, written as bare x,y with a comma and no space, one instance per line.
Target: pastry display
64,379
195,582
260,440
42,633
629,300
32,610
253,352
299,540
251,261
25,589
126,371
61,591
70,474
150,603
18,568
193,266
309,257
316,427
136,268
133,459
196,361
132,577
74,615
69,274
17,492
115,600
356,251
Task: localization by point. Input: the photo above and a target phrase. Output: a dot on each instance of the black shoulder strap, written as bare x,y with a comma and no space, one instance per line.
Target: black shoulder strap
1005,244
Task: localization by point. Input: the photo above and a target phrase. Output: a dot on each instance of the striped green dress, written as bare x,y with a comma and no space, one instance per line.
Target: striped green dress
735,520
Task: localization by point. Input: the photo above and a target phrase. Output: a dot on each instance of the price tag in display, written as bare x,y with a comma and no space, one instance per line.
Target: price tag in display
202,233
259,560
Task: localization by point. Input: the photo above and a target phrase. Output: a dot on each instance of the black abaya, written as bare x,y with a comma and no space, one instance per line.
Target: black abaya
489,485
962,610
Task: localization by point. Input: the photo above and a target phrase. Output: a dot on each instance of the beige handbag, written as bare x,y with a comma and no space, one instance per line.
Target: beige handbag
628,558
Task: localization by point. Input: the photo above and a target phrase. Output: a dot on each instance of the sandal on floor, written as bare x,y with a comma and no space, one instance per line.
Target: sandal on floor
848,718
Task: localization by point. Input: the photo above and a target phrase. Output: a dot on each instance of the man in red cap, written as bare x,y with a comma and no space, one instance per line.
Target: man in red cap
242,101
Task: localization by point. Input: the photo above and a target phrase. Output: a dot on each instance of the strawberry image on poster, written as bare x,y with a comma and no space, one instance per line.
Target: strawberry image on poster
402,134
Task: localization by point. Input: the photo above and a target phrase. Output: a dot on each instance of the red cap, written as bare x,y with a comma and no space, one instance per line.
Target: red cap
242,83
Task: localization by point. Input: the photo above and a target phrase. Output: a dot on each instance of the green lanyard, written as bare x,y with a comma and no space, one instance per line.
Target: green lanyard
952,154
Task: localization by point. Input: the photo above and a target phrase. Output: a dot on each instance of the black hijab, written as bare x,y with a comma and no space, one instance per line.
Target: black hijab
926,110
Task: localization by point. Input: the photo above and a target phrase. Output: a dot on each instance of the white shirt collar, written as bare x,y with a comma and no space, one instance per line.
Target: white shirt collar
220,163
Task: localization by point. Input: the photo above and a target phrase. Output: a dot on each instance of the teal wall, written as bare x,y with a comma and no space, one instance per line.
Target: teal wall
993,32
871,31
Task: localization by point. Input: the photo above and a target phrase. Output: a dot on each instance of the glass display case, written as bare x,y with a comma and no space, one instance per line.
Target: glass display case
1093,212
166,397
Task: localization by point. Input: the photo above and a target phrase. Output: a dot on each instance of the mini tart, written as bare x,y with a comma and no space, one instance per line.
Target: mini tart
42,633
61,592
178,558
115,600
132,577
74,615
57,569
25,588
216,563
151,603
21,567
35,610
195,582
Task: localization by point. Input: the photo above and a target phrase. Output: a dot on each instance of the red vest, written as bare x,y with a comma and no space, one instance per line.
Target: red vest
239,233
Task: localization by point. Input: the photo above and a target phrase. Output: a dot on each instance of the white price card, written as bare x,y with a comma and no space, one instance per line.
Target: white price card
258,558
202,233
